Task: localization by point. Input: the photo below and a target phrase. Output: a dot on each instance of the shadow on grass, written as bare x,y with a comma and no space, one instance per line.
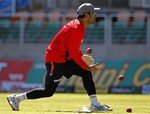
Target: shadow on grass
70,111
54,111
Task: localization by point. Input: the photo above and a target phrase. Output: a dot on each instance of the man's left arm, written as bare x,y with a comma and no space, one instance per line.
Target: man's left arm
74,47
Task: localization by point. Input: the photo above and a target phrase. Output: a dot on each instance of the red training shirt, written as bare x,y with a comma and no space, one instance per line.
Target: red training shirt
69,38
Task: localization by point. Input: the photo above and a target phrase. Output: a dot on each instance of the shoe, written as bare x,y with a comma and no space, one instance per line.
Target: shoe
13,102
99,107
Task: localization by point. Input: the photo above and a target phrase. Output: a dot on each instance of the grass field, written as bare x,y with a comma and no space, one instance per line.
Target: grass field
66,103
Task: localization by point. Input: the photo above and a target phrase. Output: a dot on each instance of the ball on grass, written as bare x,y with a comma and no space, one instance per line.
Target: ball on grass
129,110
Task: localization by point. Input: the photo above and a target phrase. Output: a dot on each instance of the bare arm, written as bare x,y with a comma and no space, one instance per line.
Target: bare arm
95,67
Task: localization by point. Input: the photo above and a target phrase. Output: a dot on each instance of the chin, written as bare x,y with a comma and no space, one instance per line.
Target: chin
93,22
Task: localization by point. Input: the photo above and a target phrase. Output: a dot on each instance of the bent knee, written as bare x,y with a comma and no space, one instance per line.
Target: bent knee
48,93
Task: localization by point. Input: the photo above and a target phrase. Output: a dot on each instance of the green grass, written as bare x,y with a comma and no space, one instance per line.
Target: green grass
66,103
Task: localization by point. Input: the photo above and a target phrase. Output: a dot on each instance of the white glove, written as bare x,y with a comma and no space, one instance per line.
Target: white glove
88,59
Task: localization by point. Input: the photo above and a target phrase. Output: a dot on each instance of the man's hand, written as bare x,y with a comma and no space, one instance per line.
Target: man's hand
88,59
95,67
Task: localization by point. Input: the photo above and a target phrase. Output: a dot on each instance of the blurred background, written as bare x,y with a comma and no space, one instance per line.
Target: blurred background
120,40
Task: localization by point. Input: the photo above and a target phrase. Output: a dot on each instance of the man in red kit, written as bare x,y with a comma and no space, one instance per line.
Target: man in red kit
64,58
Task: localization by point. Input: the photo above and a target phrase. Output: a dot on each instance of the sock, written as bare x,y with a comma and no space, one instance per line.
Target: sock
94,100
21,97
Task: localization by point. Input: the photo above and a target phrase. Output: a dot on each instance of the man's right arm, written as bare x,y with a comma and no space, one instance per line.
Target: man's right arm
95,67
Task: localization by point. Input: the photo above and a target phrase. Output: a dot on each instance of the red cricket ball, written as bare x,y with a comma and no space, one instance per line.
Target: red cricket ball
89,50
129,110
121,77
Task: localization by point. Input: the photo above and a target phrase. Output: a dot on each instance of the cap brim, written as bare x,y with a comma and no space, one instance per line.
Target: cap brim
96,9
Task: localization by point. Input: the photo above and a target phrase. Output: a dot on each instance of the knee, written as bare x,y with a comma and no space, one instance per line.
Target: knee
48,93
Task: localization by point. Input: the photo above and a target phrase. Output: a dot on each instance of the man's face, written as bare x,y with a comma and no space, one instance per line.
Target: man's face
92,18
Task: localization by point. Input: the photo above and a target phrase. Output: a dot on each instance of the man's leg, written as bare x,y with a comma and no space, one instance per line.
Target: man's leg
47,91
88,85
74,69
